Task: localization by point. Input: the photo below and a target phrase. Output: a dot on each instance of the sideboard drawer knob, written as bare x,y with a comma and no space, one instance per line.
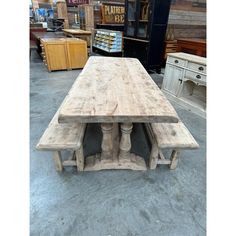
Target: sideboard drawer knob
176,61
200,68
198,76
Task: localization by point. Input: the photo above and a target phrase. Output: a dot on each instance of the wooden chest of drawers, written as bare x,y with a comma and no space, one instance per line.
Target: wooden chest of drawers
192,45
170,47
64,53
185,81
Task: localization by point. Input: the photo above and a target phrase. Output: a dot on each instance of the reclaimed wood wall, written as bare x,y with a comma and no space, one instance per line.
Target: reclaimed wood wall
187,18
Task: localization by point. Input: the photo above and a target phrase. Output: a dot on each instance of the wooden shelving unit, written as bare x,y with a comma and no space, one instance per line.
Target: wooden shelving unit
144,31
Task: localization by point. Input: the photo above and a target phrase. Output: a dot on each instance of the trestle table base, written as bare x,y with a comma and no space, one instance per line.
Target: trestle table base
115,153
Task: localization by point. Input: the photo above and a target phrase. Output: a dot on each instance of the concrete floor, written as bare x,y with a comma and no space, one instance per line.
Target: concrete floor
116,203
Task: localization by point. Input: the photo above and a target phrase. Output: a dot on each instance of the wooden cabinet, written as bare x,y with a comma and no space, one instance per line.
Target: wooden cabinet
56,55
185,81
76,53
170,46
169,84
86,16
192,45
145,29
63,53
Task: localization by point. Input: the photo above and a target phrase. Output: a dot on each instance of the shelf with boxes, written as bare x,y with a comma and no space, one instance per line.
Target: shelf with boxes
108,40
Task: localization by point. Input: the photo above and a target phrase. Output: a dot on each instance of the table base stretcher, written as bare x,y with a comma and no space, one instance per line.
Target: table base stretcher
115,154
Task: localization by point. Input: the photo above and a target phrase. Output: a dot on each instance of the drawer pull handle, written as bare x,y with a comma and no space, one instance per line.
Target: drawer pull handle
198,76
176,61
200,68
180,81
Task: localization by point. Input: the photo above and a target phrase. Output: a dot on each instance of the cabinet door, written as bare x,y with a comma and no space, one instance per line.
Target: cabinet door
131,8
56,56
137,18
172,79
77,54
143,18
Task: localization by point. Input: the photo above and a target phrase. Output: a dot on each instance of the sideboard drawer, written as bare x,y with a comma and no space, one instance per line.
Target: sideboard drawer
193,75
197,67
176,61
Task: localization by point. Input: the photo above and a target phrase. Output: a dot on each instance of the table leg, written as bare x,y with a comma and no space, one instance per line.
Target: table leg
115,154
107,142
125,142
126,159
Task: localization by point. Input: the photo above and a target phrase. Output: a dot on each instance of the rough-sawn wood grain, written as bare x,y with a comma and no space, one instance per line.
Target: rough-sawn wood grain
111,89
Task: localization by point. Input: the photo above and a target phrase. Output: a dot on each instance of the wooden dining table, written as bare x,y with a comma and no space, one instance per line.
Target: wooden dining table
115,92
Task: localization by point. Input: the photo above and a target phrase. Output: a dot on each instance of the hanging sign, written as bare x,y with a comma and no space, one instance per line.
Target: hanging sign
113,13
74,3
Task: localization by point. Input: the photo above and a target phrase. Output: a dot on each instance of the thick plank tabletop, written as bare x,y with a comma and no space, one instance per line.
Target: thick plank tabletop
112,89
77,32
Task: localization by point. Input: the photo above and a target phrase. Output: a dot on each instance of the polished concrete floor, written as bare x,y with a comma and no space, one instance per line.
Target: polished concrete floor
112,202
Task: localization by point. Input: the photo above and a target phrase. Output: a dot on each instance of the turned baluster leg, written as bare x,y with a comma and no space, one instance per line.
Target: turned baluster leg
125,142
174,159
107,142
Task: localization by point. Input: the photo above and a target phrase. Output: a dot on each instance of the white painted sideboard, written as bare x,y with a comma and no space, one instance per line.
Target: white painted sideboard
185,81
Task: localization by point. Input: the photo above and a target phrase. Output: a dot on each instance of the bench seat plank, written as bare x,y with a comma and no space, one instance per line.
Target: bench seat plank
62,136
173,135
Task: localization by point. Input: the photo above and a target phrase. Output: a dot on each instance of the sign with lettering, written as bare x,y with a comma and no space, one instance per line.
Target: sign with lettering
72,3
113,13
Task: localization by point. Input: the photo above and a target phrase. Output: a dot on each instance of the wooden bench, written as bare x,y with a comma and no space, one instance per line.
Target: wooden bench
173,136
64,136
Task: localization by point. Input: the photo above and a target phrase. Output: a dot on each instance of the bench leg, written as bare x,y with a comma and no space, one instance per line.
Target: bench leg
174,159
79,156
57,160
153,157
